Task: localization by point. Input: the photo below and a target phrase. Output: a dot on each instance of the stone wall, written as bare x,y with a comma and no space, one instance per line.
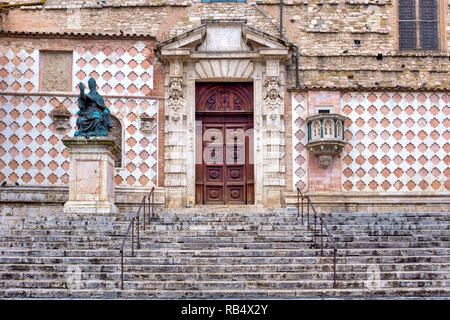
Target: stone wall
342,43
397,103
28,201
31,151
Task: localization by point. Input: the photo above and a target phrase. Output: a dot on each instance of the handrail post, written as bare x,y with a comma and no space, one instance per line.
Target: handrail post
315,230
132,237
321,234
121,273
302,210
334,268
307,211
314,212
153,200
149,208
143,200
138,236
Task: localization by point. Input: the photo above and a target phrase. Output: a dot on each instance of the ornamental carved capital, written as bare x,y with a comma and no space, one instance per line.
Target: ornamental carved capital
175,101
273,98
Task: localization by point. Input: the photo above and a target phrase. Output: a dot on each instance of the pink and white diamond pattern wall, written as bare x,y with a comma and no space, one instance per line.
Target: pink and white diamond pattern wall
31,151
118,71
140,150
300,139
396,142
19,70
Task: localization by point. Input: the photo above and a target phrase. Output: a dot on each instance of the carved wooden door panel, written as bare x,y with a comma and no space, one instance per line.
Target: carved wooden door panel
213,160
224,168
235,163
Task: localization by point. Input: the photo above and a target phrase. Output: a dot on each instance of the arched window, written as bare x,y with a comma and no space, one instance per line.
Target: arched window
316,129
339,129
116,135
328,129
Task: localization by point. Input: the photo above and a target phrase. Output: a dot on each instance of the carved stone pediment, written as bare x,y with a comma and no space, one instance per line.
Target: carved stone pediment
241,40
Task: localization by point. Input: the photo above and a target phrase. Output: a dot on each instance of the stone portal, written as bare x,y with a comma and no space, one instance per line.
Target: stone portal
245,55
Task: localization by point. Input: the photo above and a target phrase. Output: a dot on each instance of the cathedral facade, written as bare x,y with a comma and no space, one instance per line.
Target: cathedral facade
232,102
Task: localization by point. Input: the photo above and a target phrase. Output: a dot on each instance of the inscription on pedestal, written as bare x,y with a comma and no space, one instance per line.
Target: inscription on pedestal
88,177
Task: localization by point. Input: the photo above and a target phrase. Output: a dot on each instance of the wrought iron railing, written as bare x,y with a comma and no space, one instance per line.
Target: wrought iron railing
131,226
315,230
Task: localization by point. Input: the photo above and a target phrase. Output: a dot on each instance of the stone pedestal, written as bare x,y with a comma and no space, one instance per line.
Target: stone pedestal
175,198
91,175
273,198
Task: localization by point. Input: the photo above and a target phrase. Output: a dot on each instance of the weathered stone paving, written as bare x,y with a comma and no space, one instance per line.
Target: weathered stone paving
226,253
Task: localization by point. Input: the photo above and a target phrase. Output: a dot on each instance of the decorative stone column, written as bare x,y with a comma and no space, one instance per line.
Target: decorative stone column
175,142
91,173
273,141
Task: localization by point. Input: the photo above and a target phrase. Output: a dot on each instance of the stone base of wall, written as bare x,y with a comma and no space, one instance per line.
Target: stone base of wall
40,201
366,202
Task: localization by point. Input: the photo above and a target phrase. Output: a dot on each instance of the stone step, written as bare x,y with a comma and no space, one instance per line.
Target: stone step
224,285
327,258
387,214
191,231
247,211
231,252
224,228
208,236
196,243
235,276
222,294
212,238
227,268
237,245
231,218
216,233
213,253
384,221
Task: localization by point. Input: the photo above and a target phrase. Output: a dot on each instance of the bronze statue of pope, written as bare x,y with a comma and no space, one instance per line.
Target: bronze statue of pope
93,116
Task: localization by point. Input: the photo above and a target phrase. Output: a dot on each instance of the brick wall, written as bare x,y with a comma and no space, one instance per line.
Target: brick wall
325,32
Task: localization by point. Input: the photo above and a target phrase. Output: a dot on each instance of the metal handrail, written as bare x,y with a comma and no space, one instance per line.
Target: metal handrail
323,225
131,227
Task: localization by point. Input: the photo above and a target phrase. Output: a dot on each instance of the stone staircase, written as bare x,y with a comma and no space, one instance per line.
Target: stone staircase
225,253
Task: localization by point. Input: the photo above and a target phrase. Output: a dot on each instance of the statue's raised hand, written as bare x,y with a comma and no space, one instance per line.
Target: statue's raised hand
81,86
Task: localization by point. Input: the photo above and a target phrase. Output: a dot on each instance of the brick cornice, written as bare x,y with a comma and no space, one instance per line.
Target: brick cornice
75,35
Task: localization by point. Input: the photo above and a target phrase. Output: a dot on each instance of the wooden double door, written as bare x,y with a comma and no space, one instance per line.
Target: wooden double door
224,167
